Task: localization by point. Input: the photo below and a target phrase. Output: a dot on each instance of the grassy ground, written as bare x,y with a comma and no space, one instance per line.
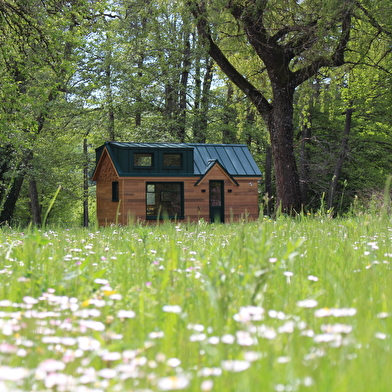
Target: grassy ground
286,305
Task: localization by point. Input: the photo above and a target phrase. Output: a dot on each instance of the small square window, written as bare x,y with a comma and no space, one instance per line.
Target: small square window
142,160
172,160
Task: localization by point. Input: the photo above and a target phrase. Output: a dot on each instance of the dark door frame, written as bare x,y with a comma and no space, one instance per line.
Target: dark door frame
217,201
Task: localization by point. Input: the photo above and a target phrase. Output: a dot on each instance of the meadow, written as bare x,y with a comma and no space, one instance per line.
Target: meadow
284,305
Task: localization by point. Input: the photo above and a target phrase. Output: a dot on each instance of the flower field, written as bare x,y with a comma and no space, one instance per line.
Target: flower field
285,305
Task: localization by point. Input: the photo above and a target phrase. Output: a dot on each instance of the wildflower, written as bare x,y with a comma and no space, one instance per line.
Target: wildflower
173,362
30,300
283,359
213,340
313,278
111,356
51,365
228,339
251,356
206,385
196,327
126,314
235,365
287,327
307,303
197,337
207,372
380,335
173,383
156,335
172,309
343,312
249,313
107,373
101,281
95,325
244,338
13,373
337,328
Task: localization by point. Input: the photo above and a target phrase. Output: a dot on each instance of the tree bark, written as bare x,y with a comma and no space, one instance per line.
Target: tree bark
228,135
304,171
85,184
268,180
34,201
280,126
342,157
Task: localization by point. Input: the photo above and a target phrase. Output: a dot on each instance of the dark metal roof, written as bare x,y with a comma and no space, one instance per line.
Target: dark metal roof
236,159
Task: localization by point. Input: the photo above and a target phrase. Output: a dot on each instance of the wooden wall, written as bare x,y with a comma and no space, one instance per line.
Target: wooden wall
105,175
240,203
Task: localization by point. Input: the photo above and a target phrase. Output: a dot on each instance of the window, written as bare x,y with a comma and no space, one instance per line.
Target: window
172,160
165,199
142,160
115,191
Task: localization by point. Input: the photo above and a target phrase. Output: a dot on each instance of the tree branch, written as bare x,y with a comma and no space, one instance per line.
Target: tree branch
226,66
335,60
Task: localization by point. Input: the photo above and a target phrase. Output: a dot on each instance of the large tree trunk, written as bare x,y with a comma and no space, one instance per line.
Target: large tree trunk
288,190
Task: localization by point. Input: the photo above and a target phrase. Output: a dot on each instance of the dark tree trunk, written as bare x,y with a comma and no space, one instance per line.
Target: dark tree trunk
181,132
10,196
34,202
85,184
228,135
139,100
280,126
268,180
341,159
202,104
7,212
306,135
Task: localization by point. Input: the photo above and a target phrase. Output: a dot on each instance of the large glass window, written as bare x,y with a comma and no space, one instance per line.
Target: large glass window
172,160
165,200
142,160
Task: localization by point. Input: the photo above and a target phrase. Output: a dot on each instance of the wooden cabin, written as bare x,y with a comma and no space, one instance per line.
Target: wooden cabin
182,181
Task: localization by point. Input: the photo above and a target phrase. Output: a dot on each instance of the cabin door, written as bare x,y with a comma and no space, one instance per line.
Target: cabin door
217,207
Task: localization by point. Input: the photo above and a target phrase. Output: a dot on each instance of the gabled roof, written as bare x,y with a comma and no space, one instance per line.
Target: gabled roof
211,164
235,159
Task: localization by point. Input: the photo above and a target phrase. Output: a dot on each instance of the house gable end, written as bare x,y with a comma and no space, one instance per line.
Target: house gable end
105,170
216,170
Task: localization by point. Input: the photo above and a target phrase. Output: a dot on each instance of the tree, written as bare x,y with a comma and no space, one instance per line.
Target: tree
289,42
37,59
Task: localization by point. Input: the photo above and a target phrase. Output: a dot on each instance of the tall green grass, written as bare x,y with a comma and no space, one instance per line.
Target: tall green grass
284,305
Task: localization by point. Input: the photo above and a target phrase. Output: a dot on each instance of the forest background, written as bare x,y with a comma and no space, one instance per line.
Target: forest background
77,73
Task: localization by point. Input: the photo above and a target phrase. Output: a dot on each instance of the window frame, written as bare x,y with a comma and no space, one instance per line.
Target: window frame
115,191
180,166
164,193
151,154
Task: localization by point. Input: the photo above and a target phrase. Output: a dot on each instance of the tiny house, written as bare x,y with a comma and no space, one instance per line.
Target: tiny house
182,181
